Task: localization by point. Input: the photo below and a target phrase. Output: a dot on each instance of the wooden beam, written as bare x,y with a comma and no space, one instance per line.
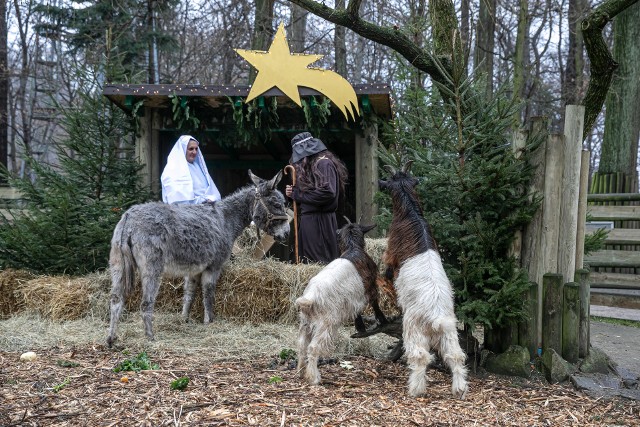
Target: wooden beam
613,258
614,213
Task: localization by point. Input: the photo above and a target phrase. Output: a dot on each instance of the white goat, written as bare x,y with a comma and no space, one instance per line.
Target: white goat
424,291
337,294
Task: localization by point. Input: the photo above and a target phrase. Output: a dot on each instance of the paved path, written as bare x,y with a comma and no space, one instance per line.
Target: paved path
620,343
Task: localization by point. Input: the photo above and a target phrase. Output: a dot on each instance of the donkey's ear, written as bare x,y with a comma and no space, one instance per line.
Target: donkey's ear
367,228
255,178
275,180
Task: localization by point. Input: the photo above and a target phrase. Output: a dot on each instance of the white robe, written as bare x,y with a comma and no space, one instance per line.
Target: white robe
178,185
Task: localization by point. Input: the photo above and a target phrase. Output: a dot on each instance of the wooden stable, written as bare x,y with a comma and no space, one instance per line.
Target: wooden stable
229,156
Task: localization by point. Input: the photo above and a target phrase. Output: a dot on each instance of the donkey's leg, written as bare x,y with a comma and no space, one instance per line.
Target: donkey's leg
209,280
417,345
190,284
455,358
117,301
150,288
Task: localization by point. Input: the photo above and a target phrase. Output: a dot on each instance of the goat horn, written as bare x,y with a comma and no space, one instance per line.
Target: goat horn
348,220
390,169
407,166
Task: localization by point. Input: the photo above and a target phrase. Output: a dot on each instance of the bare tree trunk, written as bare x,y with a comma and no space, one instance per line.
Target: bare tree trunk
153,47
572,82
340,45
465,24
622,112
262,29
298,28
4,84
21,94
519,66
602,63
485,36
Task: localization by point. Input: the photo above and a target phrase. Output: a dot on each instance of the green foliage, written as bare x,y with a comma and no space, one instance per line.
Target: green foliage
71,207
287,354
473,190
63,384
316,114
595,241
275,379
180,384
67,363
183,113
255,119
139,363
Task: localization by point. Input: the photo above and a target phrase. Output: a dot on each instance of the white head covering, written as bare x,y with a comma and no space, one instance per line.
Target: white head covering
177,184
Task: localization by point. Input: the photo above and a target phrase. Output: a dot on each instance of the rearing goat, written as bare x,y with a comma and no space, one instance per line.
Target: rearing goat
338,293
424,291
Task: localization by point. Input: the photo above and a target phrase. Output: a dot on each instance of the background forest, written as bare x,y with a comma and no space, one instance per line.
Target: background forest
56,49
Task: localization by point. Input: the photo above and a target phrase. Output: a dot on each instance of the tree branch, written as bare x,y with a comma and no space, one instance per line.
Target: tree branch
603,65
388,36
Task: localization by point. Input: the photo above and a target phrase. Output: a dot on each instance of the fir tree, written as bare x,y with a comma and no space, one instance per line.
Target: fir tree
473,188
71,207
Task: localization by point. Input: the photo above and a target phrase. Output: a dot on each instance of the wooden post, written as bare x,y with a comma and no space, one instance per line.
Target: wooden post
570,322
367,177
531,236
519,142
582,207
550,231
528,328
552,312
142,149
574,120
584,330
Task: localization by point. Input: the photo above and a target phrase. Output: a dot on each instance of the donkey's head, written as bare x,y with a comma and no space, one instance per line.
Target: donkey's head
351,235
269,208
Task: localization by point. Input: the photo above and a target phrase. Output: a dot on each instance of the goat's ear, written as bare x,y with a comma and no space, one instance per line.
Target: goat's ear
415,182
275,180
367,228
255,178
383,184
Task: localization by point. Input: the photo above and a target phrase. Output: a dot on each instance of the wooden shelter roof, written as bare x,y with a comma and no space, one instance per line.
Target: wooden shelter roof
375,96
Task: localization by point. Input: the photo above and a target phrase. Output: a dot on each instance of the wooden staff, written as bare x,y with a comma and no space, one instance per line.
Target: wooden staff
295,209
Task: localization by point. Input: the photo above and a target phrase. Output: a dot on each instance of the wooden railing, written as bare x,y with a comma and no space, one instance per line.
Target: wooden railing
614,270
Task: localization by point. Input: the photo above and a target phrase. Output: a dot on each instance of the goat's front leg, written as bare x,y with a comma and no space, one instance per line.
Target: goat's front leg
359,323
209,280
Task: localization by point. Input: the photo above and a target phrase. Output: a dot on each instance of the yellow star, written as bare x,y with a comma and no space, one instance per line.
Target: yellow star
278,67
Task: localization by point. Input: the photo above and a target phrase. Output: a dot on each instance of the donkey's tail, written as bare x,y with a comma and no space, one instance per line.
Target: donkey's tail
121,259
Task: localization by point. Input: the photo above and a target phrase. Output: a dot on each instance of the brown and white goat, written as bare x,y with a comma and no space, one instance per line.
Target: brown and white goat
424,291
337,294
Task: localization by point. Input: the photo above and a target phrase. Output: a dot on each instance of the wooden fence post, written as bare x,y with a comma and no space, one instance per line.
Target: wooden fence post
570,322
573,124
582,278
528,330
531,250
552,312
582,207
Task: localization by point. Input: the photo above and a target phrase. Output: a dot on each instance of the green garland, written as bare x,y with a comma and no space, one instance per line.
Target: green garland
183,115
316,114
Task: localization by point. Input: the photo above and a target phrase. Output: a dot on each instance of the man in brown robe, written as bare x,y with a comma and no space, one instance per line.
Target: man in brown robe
320,181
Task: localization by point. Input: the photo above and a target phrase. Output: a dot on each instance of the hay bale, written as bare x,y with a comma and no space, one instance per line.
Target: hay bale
10,280
248,290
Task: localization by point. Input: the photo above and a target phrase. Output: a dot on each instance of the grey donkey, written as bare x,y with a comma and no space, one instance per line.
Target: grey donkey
190,241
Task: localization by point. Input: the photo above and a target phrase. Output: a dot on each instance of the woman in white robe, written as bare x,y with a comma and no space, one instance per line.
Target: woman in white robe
185,179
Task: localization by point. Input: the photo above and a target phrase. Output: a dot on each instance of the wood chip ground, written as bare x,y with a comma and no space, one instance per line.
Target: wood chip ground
266,392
